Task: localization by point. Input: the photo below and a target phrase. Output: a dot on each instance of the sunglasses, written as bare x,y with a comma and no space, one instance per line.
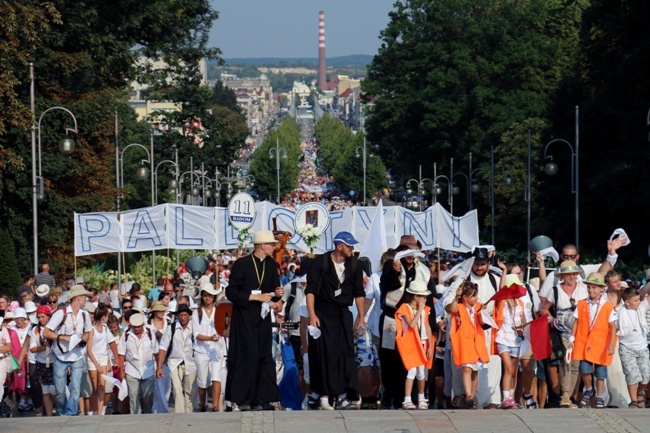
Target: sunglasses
573,304
127,308
569,256
52,302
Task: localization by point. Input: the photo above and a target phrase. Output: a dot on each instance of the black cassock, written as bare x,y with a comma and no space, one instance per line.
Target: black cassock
332,366
251,368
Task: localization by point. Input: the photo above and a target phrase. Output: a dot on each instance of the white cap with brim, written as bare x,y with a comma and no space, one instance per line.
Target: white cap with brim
136,320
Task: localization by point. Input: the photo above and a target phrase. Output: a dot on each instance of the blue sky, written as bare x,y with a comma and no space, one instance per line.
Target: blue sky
289,28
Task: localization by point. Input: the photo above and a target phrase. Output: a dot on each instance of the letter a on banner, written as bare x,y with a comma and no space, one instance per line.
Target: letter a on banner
144,229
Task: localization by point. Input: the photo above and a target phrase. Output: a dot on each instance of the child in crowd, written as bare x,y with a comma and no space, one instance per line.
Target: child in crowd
593,338
415,341
467,338
509,317
633,348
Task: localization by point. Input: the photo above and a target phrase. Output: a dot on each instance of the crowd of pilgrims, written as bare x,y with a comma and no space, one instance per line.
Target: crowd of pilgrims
276,329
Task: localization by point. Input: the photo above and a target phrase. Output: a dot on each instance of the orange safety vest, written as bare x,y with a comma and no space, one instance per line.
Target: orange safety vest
408,339
497,315
591,344
467,340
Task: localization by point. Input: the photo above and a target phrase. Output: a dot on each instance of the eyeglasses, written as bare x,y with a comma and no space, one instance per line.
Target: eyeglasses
569,256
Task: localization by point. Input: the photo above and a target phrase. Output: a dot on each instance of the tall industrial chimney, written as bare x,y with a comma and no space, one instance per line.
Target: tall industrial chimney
322,76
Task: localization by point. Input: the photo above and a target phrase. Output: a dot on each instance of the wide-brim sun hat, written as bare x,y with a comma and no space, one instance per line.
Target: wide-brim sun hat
209,288
78,290
263,237
158,306
418,288
568,267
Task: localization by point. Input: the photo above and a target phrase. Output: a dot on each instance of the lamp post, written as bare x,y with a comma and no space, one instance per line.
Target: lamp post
365,167
275,152
436,188
66,147
173,183
552,169
420,186
143,173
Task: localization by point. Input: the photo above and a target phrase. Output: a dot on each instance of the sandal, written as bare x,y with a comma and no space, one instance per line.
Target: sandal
408,405
640,396
633,405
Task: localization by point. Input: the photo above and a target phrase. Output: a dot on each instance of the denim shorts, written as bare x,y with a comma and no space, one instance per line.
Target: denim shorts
587,367
514,350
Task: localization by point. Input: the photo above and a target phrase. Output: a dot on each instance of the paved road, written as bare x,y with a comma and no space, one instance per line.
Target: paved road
483,421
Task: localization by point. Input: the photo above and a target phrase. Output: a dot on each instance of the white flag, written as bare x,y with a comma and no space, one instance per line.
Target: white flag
462,270
375,244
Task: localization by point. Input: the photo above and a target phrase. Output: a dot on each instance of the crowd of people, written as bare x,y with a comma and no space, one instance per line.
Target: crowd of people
260,331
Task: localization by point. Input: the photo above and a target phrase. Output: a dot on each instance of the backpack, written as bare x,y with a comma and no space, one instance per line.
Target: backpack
326,267
171,340
126,334
292,297
66,312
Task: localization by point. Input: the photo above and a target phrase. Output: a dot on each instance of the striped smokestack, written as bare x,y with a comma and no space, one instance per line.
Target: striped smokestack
322,76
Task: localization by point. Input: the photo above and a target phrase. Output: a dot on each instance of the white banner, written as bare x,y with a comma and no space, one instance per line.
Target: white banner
205,228
96,233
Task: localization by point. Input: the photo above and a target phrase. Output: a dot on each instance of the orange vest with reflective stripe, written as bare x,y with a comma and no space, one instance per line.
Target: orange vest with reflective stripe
467,339
408,339
498,316
591,344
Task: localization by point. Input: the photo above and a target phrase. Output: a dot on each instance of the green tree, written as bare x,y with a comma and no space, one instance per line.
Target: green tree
452,76
264,168
9,269
225,97
84,60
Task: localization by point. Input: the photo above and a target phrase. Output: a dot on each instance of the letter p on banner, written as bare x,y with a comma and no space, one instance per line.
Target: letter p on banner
96,233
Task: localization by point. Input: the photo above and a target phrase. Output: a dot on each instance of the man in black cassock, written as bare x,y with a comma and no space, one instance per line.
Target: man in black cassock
254,283
334,280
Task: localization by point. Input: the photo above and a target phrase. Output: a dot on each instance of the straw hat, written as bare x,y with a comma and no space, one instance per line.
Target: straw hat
568,267
78,290
263,237
595,279
158,306
209,288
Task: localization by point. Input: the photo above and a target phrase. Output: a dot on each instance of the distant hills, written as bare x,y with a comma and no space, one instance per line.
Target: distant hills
352,61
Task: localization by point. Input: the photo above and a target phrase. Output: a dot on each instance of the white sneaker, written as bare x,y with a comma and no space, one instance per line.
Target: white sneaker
325,404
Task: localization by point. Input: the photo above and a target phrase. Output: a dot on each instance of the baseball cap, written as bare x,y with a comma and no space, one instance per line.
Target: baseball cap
345,238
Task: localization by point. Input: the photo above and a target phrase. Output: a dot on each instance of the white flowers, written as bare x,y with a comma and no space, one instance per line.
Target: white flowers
243,238
310,234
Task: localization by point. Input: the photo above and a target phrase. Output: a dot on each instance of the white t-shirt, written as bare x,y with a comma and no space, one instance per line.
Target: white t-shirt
115,299
77,325
564,301
511,318
37,341
632,326
101,340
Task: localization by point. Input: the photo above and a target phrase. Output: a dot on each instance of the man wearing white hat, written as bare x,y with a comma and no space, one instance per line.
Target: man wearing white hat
135,351
44,277
68,328
254,284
